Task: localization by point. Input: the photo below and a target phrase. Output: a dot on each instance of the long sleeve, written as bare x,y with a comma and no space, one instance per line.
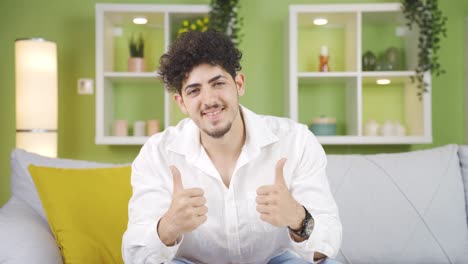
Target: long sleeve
310,187
150,200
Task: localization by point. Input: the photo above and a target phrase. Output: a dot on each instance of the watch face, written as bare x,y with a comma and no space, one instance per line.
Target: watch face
309,227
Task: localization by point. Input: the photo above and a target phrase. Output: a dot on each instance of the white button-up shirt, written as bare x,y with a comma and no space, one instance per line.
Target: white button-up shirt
233,232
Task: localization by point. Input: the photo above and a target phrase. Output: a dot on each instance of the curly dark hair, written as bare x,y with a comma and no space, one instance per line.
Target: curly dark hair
194,48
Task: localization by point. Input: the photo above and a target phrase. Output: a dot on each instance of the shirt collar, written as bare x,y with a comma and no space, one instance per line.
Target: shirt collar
258,135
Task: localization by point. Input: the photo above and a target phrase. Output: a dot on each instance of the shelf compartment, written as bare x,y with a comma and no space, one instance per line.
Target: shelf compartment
339,35
332,97
119,29
132,101
397,102
386,35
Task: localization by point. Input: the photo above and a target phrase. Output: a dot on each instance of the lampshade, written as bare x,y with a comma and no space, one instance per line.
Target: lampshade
36,96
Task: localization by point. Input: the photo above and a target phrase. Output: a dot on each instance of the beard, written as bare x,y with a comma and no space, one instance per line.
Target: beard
218,133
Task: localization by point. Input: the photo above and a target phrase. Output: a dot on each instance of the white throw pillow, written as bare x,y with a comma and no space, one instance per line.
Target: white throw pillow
22,185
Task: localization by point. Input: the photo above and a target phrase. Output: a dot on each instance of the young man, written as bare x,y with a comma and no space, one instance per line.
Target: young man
227,185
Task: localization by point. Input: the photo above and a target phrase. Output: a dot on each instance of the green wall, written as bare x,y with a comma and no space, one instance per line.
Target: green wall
71,24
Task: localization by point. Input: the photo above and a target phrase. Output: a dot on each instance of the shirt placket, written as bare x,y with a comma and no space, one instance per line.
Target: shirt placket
231,223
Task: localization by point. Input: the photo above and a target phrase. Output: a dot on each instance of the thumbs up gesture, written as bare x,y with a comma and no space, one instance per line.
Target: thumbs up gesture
275,203
186,213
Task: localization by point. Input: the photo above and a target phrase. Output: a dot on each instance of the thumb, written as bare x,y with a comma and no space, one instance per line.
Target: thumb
177,179
279,178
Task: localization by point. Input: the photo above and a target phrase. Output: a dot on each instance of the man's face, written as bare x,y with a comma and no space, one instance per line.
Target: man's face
210,97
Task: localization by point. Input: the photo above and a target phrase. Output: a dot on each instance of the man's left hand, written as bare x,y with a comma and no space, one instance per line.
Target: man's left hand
276,205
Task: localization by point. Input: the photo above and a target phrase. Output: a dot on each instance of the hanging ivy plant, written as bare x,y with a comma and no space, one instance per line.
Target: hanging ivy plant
224,18
425,14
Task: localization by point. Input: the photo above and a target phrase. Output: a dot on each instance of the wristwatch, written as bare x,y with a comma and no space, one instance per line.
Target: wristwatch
307,226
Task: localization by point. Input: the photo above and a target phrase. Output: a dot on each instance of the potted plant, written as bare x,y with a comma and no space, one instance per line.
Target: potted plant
136,62
224,18
431,24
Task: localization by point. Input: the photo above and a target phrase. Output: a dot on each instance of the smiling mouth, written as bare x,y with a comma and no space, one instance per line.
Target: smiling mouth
213,114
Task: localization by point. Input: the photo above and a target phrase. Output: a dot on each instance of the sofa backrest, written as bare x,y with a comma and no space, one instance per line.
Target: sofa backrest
401,208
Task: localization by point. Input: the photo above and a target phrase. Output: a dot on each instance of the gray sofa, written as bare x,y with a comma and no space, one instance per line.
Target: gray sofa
395,208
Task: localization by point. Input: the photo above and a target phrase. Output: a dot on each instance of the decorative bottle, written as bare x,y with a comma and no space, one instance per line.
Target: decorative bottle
323,62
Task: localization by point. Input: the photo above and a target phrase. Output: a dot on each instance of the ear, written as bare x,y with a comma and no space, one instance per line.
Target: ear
180,102
240,83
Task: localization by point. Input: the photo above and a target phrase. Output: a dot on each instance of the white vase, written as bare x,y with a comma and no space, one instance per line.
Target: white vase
400,130
372,128
388,129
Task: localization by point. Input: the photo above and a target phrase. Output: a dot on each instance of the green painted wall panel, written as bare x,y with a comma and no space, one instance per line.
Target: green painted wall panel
72,25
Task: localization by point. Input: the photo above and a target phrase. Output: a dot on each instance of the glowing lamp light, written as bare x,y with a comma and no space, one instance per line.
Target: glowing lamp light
320,21
140,20
36,96
383,81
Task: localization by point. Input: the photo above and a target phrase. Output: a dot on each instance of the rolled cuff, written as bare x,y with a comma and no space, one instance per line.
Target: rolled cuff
325,238
144,243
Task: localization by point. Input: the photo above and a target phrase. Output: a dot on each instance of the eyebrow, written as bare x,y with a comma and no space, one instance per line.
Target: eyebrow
209,81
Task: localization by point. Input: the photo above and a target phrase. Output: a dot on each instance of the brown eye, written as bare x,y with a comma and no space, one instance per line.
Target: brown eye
192,92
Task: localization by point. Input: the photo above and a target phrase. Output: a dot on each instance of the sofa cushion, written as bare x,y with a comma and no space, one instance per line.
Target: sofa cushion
22,185
86,209
401,208
463,156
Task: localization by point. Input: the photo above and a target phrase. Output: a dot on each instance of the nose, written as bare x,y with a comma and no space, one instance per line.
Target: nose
209,97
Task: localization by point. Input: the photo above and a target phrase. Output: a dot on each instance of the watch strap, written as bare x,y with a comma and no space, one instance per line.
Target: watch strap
302,231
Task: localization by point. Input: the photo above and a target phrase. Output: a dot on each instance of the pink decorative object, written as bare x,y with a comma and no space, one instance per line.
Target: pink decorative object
120,128
152,127
136,64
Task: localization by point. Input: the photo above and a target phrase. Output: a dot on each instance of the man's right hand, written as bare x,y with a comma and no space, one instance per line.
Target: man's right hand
186,213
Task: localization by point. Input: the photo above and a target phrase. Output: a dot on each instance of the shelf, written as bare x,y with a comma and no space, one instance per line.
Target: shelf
388,73
378,140
132,77
396,77
134,96
346,92
110,140
326,78
326,74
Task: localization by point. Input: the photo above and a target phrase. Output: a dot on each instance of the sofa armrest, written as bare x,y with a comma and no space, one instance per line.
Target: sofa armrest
25,237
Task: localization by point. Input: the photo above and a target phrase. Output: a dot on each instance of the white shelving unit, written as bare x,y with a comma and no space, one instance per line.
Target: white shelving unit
347,92
113,28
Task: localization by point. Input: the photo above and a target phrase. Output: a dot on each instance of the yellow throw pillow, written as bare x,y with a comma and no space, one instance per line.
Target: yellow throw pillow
86,210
